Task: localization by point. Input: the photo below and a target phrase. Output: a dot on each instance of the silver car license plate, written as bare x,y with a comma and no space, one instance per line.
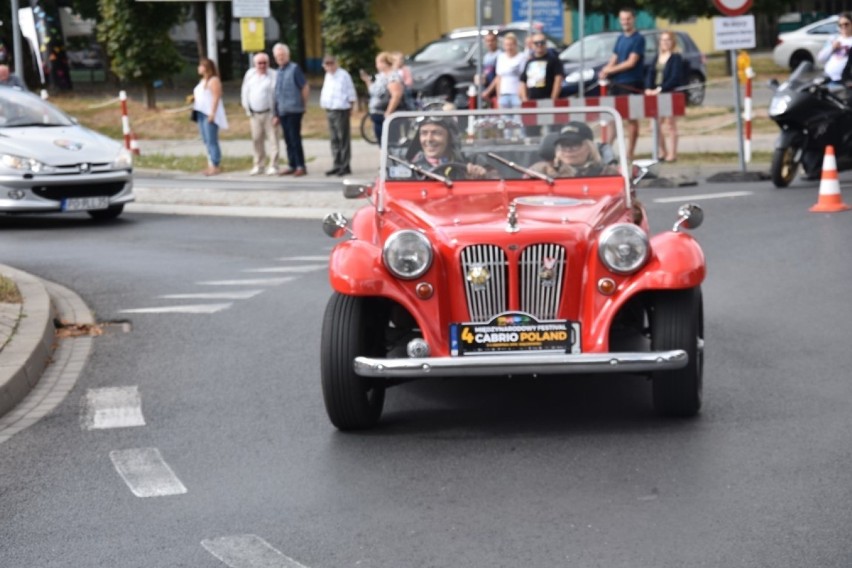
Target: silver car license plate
85,203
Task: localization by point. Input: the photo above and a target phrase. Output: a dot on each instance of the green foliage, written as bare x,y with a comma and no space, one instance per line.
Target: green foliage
135,37
350,33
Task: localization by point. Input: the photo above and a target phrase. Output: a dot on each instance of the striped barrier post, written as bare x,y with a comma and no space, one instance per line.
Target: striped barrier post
125,120
604,83
747,113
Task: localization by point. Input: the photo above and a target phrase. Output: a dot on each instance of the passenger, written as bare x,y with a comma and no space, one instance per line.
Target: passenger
573,153
437,144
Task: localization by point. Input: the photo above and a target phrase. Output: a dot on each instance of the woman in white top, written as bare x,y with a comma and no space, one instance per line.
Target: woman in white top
207,101
510,65
835,53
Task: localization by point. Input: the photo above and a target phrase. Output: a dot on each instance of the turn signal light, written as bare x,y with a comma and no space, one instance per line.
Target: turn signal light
606,286
424,290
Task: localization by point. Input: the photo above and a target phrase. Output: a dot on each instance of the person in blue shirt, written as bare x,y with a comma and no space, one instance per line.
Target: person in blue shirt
625,70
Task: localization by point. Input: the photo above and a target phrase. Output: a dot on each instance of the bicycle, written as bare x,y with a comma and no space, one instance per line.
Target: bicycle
421,103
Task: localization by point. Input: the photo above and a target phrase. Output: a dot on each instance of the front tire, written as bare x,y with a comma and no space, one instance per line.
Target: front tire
677,322
351,327
784,166
367,131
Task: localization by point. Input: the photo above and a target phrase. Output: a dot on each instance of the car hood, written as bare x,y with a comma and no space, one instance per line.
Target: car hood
58,145
462,216
430,68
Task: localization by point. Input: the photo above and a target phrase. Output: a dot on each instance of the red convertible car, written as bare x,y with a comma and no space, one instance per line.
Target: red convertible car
508,243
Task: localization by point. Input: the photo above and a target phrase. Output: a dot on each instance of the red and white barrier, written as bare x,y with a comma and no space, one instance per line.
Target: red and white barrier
129,139
747,115
631,107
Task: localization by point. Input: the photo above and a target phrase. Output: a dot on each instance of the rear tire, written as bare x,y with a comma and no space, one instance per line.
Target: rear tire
696,88
111,212
445,87
367,132
351,327
677,322
784,166
798,58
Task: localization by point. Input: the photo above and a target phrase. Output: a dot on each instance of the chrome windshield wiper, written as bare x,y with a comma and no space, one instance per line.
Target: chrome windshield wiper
426,173
522,169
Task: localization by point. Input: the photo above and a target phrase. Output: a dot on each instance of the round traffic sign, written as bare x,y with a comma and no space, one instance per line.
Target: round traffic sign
733,7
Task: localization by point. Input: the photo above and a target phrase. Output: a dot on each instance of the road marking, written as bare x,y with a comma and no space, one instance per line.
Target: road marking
113,407
235,295
305,268
685,198
146,473
190,309
249,282
304,258
248,551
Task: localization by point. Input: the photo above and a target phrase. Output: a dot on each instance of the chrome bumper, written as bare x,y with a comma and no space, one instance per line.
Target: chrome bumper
521,364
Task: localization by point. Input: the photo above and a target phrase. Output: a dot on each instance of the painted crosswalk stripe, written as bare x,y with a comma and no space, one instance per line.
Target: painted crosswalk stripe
146,473
112,407
249,282
248,551
304,258
235,295
191,309
305,268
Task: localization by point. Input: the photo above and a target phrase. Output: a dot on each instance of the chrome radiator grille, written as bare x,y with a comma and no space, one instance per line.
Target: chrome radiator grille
485,270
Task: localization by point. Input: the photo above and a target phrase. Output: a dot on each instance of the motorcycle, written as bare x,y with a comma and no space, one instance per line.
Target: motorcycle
812,113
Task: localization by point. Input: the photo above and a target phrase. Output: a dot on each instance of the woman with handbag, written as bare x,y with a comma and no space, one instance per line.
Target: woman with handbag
386,91
209,113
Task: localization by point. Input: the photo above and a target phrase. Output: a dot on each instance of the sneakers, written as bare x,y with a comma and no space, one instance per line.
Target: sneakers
255,171
271,171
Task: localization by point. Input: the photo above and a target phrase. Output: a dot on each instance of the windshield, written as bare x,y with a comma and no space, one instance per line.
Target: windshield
545,144
444,50
20,108
594,47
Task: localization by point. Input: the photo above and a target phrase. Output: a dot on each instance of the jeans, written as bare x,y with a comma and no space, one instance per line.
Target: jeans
291,124
510,101
378,120
210,136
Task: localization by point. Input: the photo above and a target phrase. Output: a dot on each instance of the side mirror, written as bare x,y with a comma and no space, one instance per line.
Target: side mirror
335,225
356,189
690,216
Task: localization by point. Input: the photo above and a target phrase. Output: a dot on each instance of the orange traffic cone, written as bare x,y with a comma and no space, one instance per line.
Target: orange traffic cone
829,188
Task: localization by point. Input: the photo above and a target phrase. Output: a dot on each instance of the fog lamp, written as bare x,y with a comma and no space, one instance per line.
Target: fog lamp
16,194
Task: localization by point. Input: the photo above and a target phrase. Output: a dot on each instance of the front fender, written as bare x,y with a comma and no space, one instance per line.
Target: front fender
790,138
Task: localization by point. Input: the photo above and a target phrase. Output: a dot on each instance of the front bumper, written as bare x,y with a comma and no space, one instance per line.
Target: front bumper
521,364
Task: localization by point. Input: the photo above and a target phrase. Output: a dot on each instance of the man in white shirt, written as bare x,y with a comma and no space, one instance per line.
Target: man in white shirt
336,97
257,98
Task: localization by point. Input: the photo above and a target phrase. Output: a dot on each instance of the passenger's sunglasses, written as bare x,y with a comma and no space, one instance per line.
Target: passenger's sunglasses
539,43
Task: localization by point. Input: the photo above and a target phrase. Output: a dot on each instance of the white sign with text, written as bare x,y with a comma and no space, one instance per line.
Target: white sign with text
734,33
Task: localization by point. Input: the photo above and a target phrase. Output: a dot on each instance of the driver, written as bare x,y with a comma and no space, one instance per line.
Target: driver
437,144
575,154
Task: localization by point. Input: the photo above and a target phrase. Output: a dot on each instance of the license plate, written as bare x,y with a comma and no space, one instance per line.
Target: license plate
85,203
514,332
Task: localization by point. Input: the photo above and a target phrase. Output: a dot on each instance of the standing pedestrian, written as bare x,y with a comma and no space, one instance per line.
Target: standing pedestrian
834,55
257,97
386,91
625,69
664,75
10,79
543,73
336,97
489,64
291,100
508,68
207,102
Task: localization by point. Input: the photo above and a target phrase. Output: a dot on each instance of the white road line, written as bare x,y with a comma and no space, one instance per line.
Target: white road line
146,473
685,198
249,282
235,295
112,407
190,309
305,268
304,258
248,551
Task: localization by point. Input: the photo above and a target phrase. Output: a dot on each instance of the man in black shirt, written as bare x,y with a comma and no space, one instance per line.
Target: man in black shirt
542,75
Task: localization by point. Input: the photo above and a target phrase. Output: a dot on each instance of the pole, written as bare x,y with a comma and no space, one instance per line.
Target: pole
16,41
212,47
581,89
480,54
749,73
737,111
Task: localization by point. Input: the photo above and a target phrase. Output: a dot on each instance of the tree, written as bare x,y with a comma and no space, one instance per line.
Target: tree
350,34
135,37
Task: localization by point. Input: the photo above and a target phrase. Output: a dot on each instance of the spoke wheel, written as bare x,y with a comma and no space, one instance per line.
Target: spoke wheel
677,322
784,166
352,326
367,132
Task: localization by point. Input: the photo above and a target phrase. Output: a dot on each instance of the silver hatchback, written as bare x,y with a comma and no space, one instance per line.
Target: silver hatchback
50,163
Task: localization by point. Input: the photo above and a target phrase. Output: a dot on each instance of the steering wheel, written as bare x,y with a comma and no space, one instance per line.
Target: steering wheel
452,170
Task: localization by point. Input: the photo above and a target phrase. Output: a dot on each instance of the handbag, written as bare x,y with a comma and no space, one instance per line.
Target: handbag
193,115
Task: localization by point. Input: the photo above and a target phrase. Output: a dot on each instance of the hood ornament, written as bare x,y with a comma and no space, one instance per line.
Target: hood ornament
512,219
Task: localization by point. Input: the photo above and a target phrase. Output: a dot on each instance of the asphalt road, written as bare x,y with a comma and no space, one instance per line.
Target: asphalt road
536,473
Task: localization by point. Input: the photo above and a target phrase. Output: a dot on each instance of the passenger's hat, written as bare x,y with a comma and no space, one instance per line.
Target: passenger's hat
574,133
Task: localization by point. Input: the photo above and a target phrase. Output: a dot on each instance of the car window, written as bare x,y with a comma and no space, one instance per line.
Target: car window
651,41
20,108
825,29
445,50
595,47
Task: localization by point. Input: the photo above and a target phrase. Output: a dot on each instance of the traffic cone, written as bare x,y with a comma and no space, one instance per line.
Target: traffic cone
829,200
134,146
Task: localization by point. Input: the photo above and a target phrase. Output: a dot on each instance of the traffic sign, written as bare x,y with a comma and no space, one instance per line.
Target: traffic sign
733,7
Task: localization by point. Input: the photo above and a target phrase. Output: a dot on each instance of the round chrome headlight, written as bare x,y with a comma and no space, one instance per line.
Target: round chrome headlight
407,254
623,248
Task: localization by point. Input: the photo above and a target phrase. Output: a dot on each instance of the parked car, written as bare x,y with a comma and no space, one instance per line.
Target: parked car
441,66
798,46
597,50
482,265
50,163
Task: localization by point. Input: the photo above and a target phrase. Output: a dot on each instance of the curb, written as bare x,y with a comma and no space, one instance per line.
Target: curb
26,355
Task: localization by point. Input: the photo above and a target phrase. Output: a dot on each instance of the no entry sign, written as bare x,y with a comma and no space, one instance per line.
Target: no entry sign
733,7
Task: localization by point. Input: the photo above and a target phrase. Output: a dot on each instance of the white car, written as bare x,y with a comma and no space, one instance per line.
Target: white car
50,163
803,44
